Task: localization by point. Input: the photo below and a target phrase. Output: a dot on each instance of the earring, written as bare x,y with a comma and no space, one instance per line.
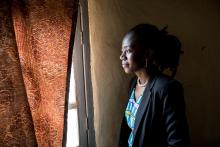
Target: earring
146,64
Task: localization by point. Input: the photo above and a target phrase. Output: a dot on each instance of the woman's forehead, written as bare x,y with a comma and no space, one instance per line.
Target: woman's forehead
128,40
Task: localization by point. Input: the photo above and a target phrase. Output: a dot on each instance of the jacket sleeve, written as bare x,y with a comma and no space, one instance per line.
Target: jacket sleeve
125,131
174,115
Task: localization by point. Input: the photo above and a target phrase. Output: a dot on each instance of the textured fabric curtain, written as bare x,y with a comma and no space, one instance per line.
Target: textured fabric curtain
35,38
16,125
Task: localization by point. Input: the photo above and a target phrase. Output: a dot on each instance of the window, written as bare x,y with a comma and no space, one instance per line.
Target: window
72,118
79,128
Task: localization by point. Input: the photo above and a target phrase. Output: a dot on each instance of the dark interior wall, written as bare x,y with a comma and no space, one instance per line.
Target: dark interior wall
196,23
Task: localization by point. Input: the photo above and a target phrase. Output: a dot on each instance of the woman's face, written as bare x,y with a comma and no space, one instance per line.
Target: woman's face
132,57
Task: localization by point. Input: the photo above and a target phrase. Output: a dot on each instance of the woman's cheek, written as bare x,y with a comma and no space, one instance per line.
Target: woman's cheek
131,57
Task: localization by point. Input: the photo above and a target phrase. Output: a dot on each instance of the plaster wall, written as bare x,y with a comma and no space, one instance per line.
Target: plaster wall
196,23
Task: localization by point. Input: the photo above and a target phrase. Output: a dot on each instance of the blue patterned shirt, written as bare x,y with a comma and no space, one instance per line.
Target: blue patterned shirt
130,114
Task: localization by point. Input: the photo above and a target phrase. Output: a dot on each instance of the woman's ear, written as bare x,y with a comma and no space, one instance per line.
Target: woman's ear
149,54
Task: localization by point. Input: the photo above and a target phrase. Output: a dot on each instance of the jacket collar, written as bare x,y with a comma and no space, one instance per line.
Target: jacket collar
144,103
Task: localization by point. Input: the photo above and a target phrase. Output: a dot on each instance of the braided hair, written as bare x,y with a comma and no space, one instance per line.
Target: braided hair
165,48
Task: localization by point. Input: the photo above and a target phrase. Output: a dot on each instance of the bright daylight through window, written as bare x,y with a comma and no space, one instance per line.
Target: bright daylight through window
72,121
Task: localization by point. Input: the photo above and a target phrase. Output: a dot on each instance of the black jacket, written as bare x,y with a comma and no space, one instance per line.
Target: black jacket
160,119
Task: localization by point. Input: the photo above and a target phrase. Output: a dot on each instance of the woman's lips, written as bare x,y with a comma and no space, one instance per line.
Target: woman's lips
125,65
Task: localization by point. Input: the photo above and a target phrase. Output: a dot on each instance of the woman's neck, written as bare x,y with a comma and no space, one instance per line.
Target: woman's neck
142,75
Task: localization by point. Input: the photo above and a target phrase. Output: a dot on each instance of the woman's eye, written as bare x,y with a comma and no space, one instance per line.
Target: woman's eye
128,51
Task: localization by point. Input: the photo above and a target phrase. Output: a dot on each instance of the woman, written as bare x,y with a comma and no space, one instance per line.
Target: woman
155,113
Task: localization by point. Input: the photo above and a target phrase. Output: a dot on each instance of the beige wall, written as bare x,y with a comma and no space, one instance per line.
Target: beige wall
196,23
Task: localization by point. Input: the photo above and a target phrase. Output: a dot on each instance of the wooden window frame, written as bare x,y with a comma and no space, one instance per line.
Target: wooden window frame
83,84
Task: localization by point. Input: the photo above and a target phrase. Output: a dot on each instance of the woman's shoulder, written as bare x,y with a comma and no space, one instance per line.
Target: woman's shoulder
163,81
133,81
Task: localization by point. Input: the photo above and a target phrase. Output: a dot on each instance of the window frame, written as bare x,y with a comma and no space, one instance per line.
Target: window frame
83,83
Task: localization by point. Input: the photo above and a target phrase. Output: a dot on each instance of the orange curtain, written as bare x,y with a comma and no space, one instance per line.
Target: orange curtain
42,34
16,125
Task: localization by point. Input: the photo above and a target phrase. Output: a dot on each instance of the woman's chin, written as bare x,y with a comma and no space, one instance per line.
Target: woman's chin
127,71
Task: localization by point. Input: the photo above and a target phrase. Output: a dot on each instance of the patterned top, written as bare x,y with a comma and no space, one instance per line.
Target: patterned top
130,114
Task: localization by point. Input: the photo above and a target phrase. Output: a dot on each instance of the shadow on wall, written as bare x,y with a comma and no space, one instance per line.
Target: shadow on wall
215,143
196,24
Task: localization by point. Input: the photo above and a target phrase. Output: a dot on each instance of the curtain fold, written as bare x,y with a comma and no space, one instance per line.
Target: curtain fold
42,30
16,125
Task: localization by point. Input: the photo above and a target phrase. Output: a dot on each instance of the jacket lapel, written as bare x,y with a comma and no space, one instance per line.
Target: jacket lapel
145,101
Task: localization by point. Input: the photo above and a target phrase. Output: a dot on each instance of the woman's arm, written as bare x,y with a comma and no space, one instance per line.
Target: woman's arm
124,133
174,115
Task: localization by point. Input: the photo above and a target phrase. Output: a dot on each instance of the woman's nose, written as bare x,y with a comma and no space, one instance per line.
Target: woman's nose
122,56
